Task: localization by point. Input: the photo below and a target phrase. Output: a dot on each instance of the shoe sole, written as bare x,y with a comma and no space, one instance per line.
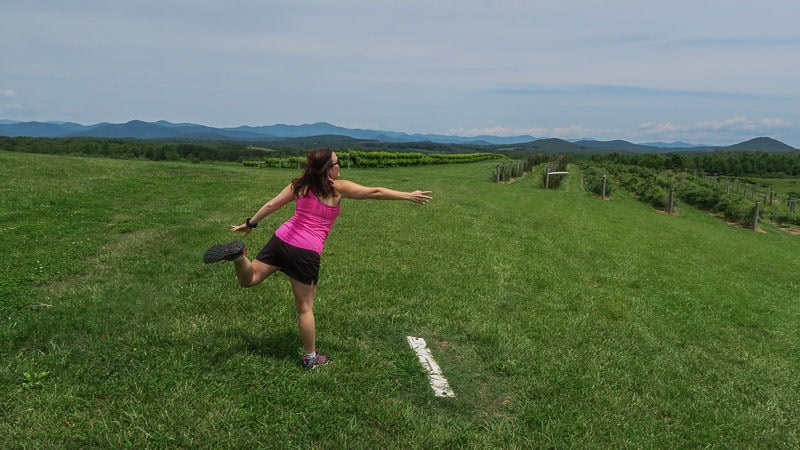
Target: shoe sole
220,252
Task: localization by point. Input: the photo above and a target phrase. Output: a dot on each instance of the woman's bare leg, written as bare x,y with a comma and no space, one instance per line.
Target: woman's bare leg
304,302
251,273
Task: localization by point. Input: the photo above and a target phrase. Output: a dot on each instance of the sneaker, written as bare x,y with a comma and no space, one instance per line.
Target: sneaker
312,363
224,252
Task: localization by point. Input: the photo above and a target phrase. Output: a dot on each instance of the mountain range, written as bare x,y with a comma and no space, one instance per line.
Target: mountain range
163,130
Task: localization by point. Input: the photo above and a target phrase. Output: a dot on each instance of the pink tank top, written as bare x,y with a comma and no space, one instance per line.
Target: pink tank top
310,225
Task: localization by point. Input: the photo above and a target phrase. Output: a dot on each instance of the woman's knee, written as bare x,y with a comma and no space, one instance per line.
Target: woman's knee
304,303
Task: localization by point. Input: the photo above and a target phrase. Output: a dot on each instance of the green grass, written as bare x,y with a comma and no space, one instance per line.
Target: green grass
781,185
559,319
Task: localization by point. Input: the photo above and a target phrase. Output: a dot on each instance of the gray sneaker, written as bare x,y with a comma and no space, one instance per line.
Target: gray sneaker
312,363
224,252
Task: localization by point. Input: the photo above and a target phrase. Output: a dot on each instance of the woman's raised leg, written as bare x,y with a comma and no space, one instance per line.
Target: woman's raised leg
251,273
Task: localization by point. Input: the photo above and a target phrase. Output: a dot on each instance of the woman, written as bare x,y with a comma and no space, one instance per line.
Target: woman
296,246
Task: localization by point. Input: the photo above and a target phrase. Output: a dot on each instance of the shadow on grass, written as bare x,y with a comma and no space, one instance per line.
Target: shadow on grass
278,345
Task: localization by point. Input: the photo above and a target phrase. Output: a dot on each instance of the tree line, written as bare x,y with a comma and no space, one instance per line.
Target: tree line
729,163
133,149
245,153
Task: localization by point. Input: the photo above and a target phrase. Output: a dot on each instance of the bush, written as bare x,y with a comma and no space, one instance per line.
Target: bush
655,195
593,180
699,196
735,209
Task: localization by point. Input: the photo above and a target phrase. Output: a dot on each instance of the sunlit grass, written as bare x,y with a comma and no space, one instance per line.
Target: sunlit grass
559,319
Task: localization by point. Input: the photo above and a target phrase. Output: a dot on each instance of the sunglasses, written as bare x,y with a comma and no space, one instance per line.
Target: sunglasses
336,163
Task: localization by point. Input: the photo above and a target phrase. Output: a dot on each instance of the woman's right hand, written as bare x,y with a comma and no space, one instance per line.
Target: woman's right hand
243,228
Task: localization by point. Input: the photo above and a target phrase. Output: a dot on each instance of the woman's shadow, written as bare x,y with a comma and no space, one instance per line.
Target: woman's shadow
279,345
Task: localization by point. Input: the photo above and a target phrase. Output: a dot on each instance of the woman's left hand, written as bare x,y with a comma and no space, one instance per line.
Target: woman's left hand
421,197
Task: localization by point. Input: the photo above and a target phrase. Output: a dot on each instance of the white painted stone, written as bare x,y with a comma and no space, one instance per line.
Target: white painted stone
438,382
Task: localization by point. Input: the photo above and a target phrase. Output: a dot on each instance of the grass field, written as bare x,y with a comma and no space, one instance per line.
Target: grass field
782,185
559,319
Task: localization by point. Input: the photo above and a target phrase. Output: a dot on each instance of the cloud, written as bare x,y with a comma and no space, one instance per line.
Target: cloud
490,131
732,124
621,91
561,132
7,96
773,123
721,131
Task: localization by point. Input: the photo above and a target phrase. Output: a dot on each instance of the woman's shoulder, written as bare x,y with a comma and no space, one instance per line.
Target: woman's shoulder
340,185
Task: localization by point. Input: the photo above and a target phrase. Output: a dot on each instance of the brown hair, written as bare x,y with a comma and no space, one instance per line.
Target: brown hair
315,174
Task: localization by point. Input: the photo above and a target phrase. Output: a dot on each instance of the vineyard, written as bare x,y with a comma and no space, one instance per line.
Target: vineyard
735,199
379,159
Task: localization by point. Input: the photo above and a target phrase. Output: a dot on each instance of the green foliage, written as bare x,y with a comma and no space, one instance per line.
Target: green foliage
732,198
375,159
593,180
507,170
736,164
133,149
380,159
700,195
34,380
734,209
646,184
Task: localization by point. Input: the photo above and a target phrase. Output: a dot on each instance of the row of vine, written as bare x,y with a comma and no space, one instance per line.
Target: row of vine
379,159
653,187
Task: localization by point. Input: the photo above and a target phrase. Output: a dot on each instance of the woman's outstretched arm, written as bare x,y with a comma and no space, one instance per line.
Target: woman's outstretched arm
348,189
284,197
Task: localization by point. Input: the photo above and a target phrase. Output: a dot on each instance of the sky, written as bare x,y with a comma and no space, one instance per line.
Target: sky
703,72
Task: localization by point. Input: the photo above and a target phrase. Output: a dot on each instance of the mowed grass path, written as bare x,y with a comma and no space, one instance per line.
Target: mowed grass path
560,320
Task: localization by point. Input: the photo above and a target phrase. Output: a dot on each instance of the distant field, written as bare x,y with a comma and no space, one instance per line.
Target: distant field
782,185
559,319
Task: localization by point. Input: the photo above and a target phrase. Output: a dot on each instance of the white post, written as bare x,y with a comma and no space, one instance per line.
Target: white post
604,187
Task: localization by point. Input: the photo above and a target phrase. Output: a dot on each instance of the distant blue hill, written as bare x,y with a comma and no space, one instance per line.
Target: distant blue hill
137,129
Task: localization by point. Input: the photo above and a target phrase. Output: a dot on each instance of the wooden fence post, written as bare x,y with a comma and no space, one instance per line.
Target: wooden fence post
671,199
755,216
547,178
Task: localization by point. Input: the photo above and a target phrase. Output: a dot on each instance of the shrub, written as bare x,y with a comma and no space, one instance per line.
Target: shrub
593,180
734,208
699,196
